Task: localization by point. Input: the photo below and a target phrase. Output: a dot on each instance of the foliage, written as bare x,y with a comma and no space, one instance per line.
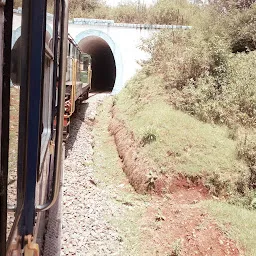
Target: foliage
230,99
227,5
201,73
184,144
239,223
163,12
169,12
241,28
129,13
149,136
17,3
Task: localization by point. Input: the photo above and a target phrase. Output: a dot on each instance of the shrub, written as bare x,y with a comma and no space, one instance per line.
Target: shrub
202,75
129,13
241,28
246,150
163,12
17,3
169,12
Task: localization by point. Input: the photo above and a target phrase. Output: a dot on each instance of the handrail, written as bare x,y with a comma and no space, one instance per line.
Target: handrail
73,91
90,76
61,105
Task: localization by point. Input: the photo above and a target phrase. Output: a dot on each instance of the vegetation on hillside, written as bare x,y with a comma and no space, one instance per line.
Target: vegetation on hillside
163,12
196,97
209,73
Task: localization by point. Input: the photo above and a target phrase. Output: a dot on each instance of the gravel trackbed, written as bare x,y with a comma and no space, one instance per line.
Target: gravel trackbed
85,230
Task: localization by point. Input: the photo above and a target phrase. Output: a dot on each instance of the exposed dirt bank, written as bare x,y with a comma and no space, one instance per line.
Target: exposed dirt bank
141,172
179,225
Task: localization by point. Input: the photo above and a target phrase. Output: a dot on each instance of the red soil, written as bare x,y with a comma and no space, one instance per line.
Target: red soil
182,224
176,219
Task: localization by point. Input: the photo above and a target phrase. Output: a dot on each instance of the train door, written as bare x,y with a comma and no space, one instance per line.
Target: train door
39,141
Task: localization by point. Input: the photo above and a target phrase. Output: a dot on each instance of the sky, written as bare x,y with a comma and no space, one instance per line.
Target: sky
116,2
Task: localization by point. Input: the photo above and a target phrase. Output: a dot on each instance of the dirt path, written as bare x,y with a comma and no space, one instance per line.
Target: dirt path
182,227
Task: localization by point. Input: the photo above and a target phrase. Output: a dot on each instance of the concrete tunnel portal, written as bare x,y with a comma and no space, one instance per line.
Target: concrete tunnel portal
107,64
103,62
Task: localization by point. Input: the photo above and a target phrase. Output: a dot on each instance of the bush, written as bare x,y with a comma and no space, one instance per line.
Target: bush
202,75
169,12
163,12
17,3
241,27
129,13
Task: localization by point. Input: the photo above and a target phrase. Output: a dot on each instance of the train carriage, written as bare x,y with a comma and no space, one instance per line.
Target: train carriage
52,78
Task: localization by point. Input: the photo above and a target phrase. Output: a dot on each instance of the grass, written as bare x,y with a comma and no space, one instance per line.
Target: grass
184,144
180,143
109,172
14,126
242,223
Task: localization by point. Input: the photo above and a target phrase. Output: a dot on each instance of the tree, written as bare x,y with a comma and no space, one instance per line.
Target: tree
231,4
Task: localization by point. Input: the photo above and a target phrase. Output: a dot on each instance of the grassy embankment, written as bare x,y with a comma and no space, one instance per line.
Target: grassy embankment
192,110
186,145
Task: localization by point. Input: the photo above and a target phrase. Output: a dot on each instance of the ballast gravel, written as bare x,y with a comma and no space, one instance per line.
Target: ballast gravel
85,207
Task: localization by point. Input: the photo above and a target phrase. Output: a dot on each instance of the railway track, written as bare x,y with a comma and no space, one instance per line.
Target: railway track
84,229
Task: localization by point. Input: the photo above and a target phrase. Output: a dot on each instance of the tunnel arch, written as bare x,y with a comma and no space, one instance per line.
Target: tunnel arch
89,36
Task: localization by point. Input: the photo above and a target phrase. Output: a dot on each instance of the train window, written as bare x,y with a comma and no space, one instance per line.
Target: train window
84,64
73,51
47,105
69,57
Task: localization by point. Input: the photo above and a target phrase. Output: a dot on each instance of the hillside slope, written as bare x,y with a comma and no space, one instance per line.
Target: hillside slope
166,151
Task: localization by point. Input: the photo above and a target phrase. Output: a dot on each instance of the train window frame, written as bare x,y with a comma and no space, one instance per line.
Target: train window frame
84,64
47,105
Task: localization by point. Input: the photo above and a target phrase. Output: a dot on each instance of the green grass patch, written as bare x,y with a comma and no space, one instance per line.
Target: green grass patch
241,223
176,141
14,127
112,179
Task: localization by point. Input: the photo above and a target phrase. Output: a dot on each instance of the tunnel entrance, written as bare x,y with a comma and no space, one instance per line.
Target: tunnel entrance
103,62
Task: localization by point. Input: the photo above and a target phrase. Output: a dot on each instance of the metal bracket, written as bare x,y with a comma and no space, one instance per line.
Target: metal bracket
31,249
51,147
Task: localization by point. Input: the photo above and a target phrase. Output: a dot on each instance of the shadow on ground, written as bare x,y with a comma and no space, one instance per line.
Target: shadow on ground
77,120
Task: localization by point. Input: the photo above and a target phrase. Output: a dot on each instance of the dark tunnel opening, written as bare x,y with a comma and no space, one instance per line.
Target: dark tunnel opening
103,63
